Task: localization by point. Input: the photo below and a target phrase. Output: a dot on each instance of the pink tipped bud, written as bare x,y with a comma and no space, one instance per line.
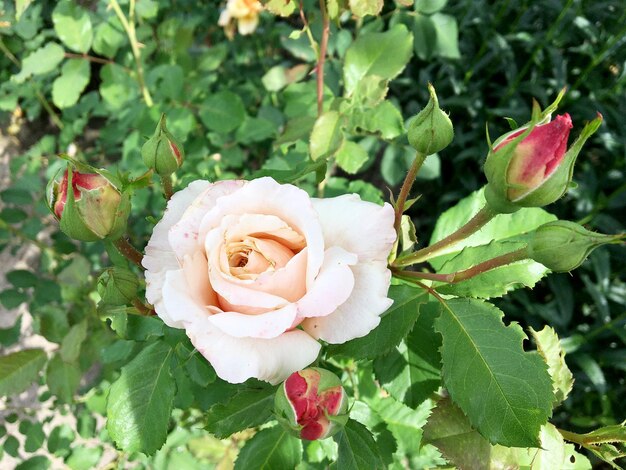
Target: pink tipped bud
312,404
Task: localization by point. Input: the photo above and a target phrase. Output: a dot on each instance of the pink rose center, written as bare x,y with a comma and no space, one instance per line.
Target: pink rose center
312,408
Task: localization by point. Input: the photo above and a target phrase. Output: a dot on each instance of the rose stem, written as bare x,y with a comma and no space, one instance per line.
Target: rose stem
321,59
141,307
473,225
128,251
129,27
167,187
452,278
406,188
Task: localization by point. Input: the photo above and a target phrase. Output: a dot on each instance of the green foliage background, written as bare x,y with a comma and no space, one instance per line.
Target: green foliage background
237,106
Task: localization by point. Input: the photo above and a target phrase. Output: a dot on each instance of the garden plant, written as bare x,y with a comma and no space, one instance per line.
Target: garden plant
302,234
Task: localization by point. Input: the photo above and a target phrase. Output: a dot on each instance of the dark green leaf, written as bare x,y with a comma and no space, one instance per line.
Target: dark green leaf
394,325
19,370
39,462
140,401
246,409
22,278
270,449
9,336
357,449
223,112
516,391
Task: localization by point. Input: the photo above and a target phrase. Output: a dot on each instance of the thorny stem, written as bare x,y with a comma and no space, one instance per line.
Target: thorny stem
475,223
406,188
167,187
452,278
129,27
141,307
128,251
321,59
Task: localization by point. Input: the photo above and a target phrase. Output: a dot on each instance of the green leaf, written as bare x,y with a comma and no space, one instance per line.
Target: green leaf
20,7
351,157
504,233
429,6
117,87
35,437
73,26
134,327
22,278
280,7
447,36
550,349
84,458
516,391
412,371
223,112
67,88
291,176
109,38
425,36
43,60
19,370
404,423
369,55
9,336
255,130
450,431
63,378
139,403
246,409
357,449
395,324
39,462
383,119
12,298
60,439
326,136
70,347
269,449
363,8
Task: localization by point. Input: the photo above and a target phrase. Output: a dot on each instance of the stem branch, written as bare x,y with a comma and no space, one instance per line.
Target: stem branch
473,225
321,59
406,188
453,278
128,251
167,187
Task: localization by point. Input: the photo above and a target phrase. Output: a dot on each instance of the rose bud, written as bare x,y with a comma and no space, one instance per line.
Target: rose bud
311,404
117,286
431,130
531,166
562,246
162,152
94,210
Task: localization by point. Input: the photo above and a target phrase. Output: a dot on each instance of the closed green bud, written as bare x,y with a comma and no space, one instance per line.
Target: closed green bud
562,246
431,130
311,404
93,209
117,286
162,152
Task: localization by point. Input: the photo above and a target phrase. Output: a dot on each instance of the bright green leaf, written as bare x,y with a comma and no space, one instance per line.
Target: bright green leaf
550,349
363,8
109,38
447,36
43,60
351,157
326,136
19,370
516,391
63,378
369,55
139,403
429,6
73,26
70,347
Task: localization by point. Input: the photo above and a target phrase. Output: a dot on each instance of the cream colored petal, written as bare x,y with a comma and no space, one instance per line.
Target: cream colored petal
360,314
179,305
238,359
360,227
265,325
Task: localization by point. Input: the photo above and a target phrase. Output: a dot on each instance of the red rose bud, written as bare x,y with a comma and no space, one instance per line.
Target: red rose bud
312,404
162,152
531,166
562,246
93,210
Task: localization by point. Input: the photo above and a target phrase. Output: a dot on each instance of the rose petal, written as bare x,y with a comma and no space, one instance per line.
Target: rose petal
238,359
287,202
183,235
332,286
263,325
179,306
360,314
196,273
360,227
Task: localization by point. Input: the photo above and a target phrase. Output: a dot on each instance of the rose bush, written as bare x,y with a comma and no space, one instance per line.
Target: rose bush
256,272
